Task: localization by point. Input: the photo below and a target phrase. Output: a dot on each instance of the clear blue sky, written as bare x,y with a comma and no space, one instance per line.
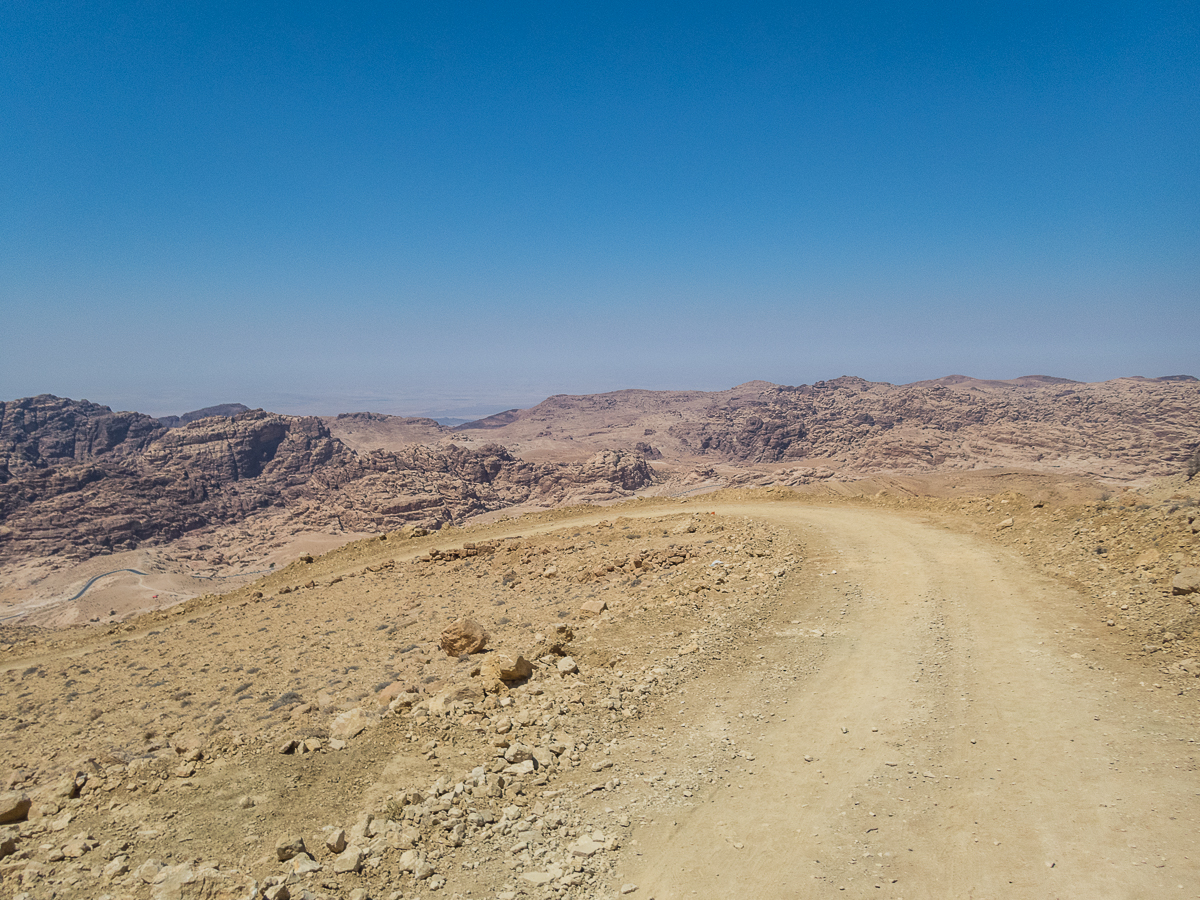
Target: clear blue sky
440,207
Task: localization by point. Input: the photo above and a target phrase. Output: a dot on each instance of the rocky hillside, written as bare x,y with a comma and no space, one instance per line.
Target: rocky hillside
1127,428
77,479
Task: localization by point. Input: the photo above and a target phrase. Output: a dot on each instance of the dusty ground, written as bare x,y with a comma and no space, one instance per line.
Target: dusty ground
883,696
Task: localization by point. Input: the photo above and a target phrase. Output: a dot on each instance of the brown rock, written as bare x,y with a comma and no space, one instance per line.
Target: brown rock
593,607
1186,582
507,666
288,846
351,723
1147,558
443,700
391,692
14,806
335,841
8,842
464,636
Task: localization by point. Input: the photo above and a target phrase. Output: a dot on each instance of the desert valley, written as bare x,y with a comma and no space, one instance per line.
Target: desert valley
842,639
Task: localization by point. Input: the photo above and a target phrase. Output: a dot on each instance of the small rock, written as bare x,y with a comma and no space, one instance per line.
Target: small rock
8,842
288,846
628,888
508,666
148,870
335,841
593,607
303,864
1186,582
349,860
518,753
118,866
585,847
277,892
78,845
351,723
567,666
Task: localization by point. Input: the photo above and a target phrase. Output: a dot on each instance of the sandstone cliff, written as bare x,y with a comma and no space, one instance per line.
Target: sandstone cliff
1126,428
79,479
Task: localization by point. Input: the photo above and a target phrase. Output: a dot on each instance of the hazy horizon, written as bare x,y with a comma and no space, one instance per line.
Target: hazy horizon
466,409
414,209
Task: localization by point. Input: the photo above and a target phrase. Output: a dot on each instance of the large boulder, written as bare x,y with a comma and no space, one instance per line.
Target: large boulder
464,636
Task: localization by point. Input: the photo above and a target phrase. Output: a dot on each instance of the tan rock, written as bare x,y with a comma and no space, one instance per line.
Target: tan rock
593,607
78,845
8,841
464,636
288,846
351,723
1186,582
349,860
335,840
14,806
505,666
442,702
1147,558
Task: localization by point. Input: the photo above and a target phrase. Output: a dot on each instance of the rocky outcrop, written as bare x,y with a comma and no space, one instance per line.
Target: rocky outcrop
82,480
1126,428
40,432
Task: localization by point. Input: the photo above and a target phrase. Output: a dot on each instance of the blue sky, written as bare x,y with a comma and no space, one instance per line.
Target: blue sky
464,207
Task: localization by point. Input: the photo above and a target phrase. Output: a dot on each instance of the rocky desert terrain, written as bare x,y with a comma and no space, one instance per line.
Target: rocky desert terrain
388,659
863,692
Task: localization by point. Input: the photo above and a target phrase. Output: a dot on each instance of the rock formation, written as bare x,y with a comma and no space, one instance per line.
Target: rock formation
77,479
1125,428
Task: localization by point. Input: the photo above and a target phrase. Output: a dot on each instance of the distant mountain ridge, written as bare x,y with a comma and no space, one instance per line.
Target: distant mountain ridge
224,410
77,478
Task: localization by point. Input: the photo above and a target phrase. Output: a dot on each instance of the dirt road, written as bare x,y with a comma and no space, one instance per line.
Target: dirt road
972,733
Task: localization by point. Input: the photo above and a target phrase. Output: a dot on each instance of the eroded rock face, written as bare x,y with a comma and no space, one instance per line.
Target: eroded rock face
1122,428
77,479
